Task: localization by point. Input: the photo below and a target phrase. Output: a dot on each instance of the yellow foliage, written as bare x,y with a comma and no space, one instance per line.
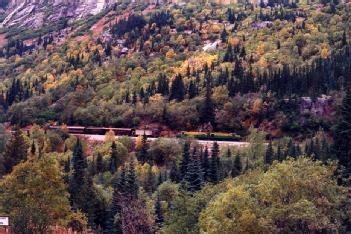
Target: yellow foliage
216,28
170,54
260,49
139,143
257,105
18,59
233,41
197,62
181,40
110,137
325,53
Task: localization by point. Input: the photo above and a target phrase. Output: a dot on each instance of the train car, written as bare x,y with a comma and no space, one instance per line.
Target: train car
123,131
70,129
216,136
95,130
147,132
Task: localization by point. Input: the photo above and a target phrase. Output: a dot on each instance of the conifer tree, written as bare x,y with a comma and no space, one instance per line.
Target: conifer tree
99,163
344,39
193,176
279,155
177,91
214,164
113,158
269,154
15,151
229,153
150,181
82,193
207,113
206,164
185,160
158,212
143,154
342,139
174,173
33,149
131,182
237,166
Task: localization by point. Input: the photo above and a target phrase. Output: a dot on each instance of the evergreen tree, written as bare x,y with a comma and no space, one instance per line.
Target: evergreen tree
344,39
15,151
131,182
193,176
113,225
174,173
342,139
229,153
237,166
206,164
279,155
150,181
214,165
158,212
224,35
113,158
269,154
207,113
83,195
143,154
33,149
177,91
185,160
99,163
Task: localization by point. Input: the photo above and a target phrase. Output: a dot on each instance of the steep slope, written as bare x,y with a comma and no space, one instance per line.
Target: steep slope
33,13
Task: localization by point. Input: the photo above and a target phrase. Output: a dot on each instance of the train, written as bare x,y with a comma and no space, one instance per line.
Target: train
154,133
132,132
215,136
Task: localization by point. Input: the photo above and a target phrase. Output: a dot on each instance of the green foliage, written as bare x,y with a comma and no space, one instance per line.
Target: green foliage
15,152
35,197
292,197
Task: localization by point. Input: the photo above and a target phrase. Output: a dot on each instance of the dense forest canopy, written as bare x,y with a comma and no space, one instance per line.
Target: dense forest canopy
275,75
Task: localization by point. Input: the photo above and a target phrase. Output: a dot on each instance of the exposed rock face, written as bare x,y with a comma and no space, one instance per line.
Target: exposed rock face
34,13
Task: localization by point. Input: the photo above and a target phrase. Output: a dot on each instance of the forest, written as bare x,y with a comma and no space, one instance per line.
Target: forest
277,73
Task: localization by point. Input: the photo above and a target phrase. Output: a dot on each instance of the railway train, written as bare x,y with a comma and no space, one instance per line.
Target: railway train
102,131
215,136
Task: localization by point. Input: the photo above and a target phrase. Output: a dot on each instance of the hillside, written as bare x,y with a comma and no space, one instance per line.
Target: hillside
110,113
137,64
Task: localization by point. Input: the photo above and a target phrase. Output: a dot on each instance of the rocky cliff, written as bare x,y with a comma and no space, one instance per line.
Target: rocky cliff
34,13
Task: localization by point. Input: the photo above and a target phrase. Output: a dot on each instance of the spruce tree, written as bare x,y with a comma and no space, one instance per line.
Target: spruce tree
185,160
143,154
342,139
268,159
174,173
158,212
237,166
207,112
99,163
113,158
15,151
177,91
279,155
214,165
150,181
131,182
206,164
229,153
193,177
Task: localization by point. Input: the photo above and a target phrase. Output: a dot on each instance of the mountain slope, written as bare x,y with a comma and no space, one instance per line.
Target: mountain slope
34,13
